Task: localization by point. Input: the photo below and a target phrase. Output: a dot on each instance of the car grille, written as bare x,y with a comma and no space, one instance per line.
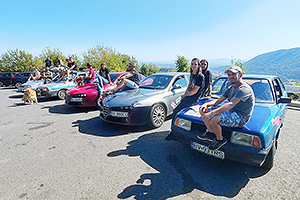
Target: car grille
104,111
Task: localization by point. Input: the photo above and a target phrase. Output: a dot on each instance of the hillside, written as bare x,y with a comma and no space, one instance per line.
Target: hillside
284,63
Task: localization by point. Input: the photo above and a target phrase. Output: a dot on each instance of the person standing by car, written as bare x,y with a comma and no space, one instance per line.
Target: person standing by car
91,76
48,62
104,72
194,91
208,78
235,113
131,80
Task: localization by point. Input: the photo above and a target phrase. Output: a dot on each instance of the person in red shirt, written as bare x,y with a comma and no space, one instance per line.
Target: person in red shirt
91,76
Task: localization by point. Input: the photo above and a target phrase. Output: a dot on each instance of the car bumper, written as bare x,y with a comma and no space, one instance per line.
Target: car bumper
86,102
239,153
136,116
46,93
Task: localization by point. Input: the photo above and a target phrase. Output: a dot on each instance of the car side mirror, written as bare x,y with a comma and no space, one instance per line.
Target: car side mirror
176,86
285,100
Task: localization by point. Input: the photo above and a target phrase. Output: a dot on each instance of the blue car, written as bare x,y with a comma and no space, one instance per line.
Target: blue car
256,142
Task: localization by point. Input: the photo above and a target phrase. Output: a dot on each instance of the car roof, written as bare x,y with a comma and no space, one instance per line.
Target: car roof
254,76
171,73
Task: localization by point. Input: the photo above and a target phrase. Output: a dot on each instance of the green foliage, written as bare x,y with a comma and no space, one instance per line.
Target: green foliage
149,69
182,64
18,61
294,96
240,63
115,61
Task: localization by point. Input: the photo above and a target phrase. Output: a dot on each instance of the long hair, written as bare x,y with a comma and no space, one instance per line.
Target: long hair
204,60
199,68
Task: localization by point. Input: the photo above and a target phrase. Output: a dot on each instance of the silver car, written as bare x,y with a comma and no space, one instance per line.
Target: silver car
155,99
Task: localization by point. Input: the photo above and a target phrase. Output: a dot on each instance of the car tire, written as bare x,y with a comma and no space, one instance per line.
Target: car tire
1,84
61,94
268,164
18,84
157,116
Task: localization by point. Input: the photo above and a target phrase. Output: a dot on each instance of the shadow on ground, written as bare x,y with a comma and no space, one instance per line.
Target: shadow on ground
182,170
66,109
96,126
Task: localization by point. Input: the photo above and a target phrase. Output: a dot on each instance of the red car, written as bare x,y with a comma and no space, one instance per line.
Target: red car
87,95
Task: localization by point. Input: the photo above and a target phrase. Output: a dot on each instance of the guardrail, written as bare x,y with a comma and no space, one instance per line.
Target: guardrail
292,88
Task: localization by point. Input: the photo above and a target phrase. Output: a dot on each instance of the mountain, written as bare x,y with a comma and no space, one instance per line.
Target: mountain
284,63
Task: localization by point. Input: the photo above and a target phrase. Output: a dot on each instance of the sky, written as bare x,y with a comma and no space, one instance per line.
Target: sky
152,31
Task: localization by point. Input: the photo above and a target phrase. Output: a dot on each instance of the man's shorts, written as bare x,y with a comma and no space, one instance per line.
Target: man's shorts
131,85
231,118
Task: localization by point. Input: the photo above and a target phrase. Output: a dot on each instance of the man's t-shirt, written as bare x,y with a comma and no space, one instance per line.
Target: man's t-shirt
73,63
48,63
245,93
135,77
196,80
93,74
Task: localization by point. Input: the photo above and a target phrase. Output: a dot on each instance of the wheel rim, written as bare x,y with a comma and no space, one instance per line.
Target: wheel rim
158,115
17,84
62,94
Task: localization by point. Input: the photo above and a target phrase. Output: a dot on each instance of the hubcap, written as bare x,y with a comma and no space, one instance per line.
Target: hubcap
158,115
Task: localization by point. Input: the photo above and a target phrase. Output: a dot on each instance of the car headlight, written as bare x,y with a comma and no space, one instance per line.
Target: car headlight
135,103
81,95
245,139
183,123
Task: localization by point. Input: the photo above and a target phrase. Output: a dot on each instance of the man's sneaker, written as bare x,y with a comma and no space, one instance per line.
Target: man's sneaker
206,136
217,144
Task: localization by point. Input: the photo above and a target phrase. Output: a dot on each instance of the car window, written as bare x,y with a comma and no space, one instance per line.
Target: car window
277,88
113,77
261,88
180,81
156,82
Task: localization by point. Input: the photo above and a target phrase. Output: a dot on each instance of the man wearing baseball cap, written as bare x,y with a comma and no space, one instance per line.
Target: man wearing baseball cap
235,113
131,80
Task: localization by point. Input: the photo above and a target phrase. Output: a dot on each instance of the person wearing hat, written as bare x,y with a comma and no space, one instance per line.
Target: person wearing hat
235,113
130,80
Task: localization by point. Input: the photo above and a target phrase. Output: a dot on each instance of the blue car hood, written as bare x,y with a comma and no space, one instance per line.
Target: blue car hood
259,117
127,97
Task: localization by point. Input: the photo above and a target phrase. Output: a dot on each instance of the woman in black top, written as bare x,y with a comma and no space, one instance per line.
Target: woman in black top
208,78
104,72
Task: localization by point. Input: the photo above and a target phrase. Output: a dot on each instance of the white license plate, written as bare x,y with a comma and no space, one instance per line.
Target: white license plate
76,99
204,149
118,114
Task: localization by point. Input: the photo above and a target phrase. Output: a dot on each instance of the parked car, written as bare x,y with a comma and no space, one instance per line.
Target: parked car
256,142
150,104
6,78
58,88
87,95
20,78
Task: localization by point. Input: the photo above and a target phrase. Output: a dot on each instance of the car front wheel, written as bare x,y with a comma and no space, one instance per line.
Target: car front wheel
157,116
1,84
61,94
18,84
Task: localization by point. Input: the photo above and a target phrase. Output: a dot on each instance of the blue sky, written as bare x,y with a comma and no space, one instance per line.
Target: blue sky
156,30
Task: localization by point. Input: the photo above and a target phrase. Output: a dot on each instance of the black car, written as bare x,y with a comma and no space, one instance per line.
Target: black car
20,78
6,78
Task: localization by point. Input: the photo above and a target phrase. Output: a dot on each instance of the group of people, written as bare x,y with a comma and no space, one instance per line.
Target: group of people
234,113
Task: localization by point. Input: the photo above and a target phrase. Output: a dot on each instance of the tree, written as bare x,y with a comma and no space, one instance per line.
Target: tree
115,61
240,63
182,64
18,61
149,69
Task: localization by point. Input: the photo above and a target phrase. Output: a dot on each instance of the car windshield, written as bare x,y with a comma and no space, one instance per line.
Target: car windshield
260,87
157,82
113,77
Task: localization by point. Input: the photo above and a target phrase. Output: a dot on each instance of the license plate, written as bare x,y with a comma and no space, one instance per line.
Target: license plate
204,149
118,114
76,99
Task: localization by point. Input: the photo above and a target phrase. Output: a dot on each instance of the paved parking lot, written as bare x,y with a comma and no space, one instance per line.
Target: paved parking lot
52,151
